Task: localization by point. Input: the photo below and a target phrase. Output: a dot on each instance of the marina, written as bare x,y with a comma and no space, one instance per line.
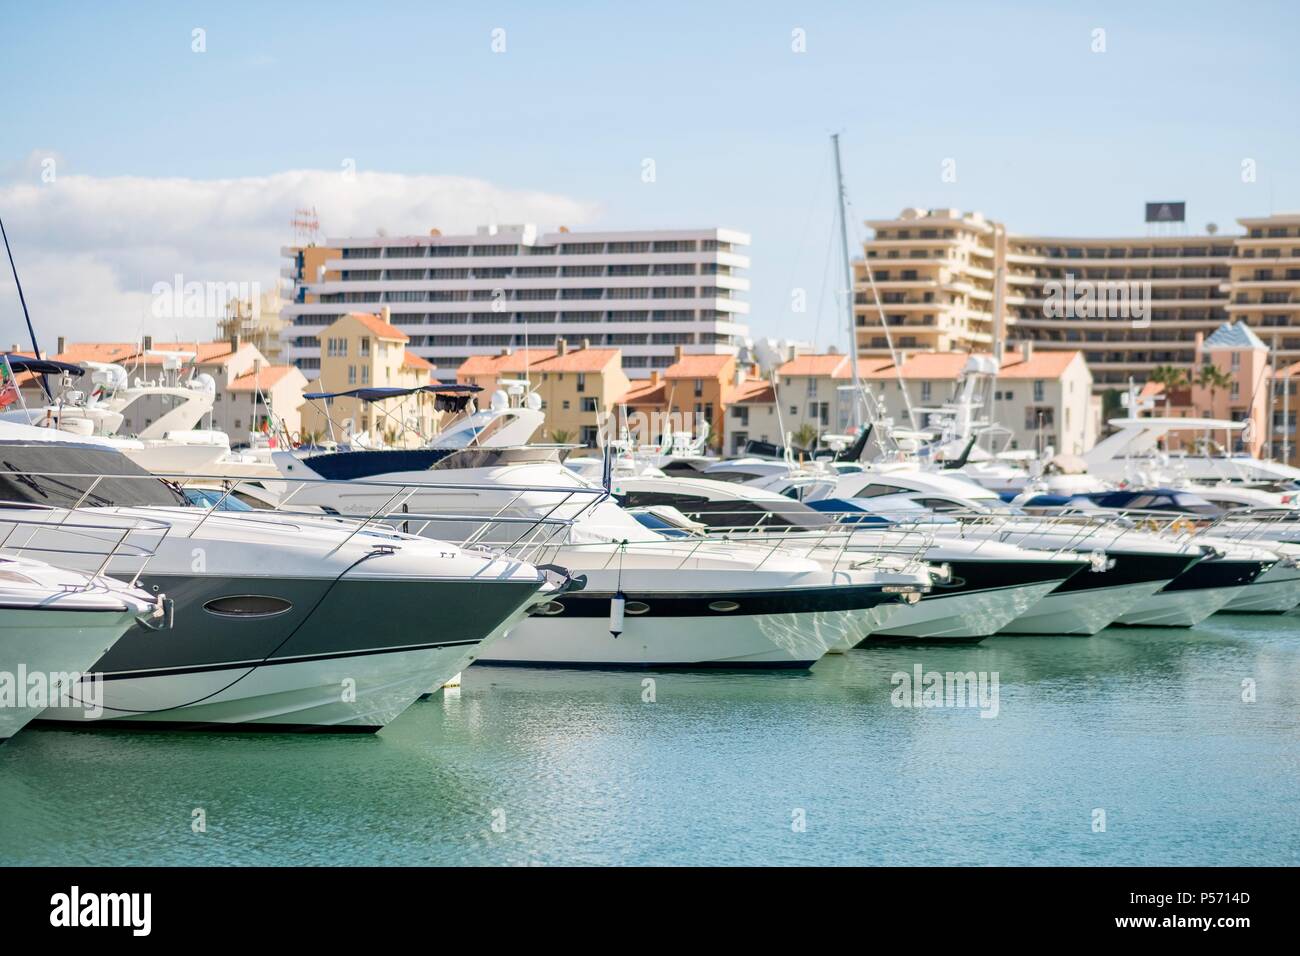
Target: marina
610,440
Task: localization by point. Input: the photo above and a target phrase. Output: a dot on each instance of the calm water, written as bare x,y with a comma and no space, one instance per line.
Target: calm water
1147,725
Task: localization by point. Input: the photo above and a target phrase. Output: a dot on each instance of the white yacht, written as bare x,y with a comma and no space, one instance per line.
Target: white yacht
280,622
1131,566
57,623
984,585
684,603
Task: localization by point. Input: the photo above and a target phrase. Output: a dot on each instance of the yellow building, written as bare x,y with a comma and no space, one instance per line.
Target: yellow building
364,351
577,386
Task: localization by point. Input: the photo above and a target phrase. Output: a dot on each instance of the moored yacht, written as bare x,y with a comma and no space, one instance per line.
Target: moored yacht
694,604
54,625
280,622
984,585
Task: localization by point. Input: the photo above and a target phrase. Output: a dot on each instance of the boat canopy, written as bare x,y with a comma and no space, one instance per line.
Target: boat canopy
382,393
25,363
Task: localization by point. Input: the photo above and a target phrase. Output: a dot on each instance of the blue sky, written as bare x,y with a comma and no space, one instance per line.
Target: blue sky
1047,135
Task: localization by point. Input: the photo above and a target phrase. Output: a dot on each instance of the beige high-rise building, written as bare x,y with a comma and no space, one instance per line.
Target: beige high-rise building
937,276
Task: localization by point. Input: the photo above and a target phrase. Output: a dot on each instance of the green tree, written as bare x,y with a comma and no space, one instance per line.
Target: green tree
562,436
1171,377
1212,377
805,436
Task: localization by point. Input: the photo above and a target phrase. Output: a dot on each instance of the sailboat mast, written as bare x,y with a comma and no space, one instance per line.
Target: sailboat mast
848,282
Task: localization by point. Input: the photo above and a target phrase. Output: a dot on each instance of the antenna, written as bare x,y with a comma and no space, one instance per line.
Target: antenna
848,282
36,349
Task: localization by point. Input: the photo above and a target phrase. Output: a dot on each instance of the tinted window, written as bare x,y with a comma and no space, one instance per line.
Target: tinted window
60,474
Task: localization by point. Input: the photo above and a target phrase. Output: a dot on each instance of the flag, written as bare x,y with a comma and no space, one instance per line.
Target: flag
8,385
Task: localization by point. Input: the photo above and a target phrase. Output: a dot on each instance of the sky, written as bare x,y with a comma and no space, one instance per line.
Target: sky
138,154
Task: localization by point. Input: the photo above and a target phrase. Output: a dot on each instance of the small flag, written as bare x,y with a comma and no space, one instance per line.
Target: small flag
8,385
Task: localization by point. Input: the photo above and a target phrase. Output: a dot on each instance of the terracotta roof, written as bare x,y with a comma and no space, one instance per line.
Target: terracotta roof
379,327
1044,363
578,360
131,353
266,377
815,365
520,361
698,366
411,360
645,392
947,366
754,391
206,352
867,368
77,352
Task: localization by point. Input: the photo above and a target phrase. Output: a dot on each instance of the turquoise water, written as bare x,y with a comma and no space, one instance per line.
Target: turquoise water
574,767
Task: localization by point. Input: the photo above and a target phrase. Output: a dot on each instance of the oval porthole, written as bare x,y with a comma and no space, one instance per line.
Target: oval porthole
635,607
724,606
247,605
549,609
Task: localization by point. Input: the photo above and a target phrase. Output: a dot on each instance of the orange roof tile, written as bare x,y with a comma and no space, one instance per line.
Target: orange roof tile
754,391
645,392
815,365
698,366
947,366
379,327
577,360
267,377
205,352
77,352
520,361
867,368
411,360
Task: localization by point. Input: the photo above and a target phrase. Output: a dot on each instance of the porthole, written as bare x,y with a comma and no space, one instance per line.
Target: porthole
635,607
549,609
724,606
247,606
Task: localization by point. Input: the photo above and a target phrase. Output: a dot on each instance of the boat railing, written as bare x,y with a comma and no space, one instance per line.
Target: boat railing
500,529
52,535
828,536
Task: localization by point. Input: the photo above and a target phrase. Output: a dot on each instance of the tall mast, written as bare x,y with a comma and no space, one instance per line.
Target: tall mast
848,283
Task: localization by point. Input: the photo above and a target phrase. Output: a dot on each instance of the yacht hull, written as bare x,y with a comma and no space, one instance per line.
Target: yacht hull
789,628
1195,594
345,655
1178,608
961,617
52,642
1080,613
1090,601
1276,591
979,598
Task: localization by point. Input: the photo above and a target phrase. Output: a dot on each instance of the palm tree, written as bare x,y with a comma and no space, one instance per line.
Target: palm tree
1171,377
1212,377
805,436
561,436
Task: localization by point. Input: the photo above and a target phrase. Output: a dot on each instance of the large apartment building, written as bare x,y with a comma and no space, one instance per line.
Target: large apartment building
942,276
645,293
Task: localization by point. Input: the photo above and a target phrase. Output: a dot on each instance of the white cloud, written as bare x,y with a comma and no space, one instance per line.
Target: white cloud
89,250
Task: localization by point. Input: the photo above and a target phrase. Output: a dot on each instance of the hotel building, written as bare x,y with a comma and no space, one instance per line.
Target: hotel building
645,293
941,276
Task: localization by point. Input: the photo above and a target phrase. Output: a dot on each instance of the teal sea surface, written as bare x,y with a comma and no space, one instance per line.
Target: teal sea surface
1134,747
